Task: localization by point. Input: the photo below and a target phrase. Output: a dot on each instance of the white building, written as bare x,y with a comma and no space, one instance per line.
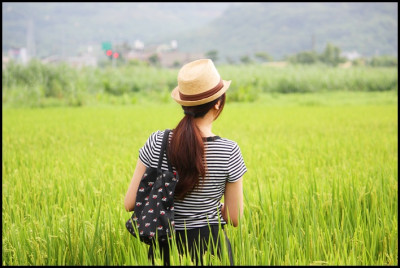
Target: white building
351,55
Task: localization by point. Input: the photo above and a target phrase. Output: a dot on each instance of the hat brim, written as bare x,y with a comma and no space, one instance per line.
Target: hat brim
177,98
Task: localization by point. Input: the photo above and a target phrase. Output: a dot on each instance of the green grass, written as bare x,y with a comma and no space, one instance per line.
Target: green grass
321,186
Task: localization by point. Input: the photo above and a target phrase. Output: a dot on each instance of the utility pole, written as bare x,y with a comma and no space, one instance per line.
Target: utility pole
112,55
30,39
63,46
313,42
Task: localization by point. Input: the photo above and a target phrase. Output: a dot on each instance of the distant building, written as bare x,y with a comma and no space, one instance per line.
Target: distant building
138,45
168,55
177,58
351,55
174,44
5,61
53,59
345,65
163,48
139,55
280,64
77,62
81,61
19,55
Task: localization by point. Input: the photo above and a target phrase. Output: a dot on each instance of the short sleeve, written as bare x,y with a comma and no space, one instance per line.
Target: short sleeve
146,153
236,165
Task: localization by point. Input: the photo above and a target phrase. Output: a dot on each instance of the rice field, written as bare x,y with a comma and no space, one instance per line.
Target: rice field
321,186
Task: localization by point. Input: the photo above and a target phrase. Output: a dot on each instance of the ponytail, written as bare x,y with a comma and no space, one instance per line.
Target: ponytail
186,150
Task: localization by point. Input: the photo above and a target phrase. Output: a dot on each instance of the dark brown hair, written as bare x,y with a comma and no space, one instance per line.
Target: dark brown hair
186,150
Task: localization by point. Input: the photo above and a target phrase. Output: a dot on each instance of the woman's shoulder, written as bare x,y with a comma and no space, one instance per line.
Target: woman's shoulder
157,136
226,143
158,133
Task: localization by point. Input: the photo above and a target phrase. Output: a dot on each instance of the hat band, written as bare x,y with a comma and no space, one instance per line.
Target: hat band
202,95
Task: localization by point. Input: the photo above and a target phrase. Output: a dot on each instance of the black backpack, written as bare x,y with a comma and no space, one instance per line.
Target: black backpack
153,216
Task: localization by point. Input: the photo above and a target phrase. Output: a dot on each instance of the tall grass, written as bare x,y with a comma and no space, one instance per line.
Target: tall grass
321,186
40,85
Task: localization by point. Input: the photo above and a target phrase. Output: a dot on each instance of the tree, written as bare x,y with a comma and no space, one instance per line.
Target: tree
385,60
263,56
331,55
212,54
154,59
305,57
124,49
176,64
246,59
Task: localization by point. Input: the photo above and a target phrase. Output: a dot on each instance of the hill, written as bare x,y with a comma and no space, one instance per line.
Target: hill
233,29
66,27
285,28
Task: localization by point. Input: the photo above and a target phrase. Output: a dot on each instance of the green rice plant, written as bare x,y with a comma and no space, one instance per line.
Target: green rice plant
321,186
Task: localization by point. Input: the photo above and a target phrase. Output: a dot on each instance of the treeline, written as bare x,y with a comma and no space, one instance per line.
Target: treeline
332,56
37,84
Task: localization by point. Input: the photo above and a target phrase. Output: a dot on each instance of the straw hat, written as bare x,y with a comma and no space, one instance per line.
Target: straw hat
199,82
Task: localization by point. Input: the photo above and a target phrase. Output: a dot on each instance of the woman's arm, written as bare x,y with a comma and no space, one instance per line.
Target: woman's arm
232,208
130,197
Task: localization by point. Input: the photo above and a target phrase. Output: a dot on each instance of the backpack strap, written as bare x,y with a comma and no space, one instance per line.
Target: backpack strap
164,150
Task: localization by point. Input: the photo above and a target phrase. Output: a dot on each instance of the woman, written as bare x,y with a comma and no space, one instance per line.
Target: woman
208,166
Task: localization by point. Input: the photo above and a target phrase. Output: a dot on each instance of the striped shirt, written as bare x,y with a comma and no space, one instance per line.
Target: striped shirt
203,204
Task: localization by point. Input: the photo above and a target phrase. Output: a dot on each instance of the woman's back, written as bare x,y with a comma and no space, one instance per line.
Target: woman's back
202,205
